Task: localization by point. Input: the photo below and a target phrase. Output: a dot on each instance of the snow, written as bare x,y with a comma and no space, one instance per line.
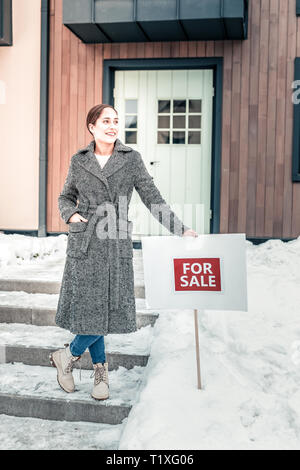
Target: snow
41,258
26,257
250,363
19,334
42,434
24,299
38,381
47,301
249,366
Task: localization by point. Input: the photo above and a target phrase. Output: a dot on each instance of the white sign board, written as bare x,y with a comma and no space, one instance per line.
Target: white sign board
204,272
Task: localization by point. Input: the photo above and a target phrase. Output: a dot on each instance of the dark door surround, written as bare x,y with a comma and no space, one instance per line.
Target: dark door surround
214,63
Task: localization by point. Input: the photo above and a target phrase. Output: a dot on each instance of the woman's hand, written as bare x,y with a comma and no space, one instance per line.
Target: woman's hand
190,233
77,218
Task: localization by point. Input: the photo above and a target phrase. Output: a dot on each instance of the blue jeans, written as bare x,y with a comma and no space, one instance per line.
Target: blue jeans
95,344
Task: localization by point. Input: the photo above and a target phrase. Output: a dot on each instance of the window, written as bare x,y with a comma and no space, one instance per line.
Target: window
6,23
131,121
179,121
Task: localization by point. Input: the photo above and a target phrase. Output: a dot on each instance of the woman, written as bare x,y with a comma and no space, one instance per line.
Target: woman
97,290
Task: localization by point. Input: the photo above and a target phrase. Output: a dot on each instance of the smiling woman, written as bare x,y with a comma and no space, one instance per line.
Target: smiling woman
97,289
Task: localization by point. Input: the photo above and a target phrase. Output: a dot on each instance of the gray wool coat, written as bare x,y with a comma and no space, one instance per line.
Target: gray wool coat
97,290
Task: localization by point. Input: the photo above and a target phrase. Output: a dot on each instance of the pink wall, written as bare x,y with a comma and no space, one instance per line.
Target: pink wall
19,119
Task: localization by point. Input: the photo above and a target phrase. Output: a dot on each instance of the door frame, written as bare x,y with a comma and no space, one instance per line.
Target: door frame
214,63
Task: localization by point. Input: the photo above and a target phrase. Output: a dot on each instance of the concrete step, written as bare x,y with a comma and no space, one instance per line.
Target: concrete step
40,309
40,357
46,316
49,287
32,345
33,391
23,433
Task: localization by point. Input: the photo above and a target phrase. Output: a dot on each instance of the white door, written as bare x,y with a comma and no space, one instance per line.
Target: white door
167,116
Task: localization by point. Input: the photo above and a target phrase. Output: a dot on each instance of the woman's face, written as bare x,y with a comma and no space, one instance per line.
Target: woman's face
106,128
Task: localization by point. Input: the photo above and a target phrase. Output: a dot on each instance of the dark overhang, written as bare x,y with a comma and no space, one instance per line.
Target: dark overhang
5,23
98,21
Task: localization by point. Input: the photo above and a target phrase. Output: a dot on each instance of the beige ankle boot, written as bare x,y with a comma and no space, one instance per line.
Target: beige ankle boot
64,362
101,384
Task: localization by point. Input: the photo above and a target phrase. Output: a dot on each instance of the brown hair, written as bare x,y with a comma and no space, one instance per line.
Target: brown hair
95,112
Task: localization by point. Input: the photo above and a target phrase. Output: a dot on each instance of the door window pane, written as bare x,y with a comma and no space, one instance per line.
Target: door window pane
131,106
178,122
130,137
163,137
179,137
163,106
194,137
195,106
130,121
179,106
163,122
195,122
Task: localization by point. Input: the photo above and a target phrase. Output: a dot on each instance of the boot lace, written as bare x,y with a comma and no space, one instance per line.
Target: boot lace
69,367
100,374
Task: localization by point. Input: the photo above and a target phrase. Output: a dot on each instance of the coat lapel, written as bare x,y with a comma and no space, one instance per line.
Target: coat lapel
89,161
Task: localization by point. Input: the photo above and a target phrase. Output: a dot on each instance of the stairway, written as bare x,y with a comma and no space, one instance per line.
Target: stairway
28,384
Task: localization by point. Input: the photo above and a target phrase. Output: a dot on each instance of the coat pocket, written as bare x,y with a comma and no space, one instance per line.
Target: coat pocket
77,226
75,238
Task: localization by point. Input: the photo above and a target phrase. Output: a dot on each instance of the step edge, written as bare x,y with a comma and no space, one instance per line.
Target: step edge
62,400
54,348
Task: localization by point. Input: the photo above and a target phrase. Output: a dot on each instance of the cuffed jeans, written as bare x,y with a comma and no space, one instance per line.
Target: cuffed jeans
96,346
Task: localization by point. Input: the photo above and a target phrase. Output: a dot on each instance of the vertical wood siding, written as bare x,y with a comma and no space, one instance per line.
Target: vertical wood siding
257,193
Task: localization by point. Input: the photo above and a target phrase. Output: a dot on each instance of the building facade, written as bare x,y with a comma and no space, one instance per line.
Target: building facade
204,91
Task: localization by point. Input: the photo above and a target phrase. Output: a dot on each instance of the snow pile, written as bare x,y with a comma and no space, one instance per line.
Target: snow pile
250,367
15,249
250,361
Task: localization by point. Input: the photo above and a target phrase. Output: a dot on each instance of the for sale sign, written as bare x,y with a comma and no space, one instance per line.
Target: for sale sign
206,272
197,274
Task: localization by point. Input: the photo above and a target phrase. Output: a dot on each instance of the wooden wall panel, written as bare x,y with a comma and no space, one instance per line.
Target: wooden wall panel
262,118
280,118
271,118
288,187
257,193
244,134
253,116
226,142
296,187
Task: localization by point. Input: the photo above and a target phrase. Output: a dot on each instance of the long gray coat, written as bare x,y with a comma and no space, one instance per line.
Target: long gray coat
97,291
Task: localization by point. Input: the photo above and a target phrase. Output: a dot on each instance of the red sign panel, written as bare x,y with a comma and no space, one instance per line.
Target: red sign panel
197,274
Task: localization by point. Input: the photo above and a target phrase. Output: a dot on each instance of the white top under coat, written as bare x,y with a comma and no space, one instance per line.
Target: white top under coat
102,159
